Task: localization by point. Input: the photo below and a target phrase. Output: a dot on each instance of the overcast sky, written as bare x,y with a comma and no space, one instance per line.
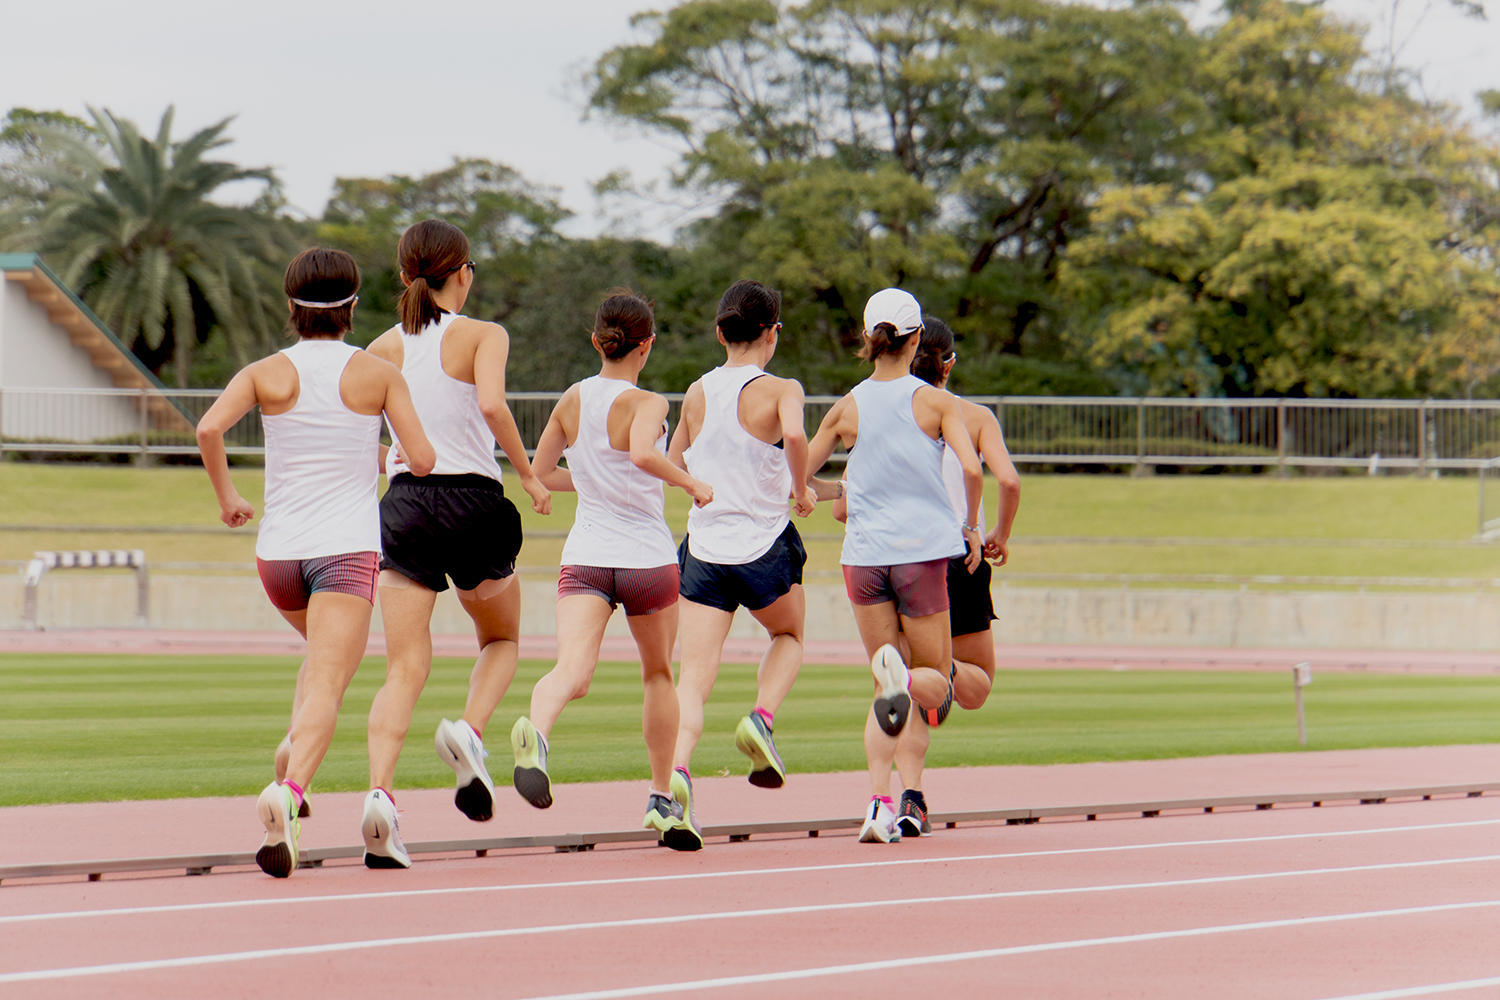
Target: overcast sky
365,88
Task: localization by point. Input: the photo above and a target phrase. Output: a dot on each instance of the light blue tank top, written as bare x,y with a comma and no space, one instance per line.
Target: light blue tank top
898,505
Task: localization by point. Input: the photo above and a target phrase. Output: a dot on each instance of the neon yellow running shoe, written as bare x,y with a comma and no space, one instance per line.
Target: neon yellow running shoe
686,835
753,738
530,775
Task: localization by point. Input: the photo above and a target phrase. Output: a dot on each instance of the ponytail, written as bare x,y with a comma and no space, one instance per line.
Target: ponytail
935,346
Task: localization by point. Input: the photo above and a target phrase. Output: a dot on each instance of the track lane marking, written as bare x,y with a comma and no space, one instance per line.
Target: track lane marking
346,946
737,873
1421,991
1026,949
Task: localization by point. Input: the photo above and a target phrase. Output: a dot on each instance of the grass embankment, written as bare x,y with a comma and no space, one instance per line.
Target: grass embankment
94,728
1239,526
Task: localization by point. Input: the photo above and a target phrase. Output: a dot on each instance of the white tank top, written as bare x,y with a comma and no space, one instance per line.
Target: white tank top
620,522
321,464
898,505
750,478
448,408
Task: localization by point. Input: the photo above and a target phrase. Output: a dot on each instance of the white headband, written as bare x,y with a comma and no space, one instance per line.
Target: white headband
323,305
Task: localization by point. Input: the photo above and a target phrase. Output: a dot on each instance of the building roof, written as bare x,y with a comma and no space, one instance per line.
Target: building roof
84,329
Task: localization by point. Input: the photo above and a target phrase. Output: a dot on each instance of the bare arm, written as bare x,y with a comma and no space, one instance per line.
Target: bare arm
794,445
237,399
489,380
554,440
956,436
841,423
991,443
418,452
645,427
682,437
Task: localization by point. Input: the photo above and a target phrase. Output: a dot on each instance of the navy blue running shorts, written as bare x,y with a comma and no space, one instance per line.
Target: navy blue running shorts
753,585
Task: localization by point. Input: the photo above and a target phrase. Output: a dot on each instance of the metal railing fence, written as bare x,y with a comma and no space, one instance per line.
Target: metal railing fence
1415,435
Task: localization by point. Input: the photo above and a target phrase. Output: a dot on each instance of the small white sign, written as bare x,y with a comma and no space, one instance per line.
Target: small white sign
1303,674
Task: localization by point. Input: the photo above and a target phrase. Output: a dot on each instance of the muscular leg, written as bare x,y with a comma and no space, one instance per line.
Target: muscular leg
497,625
655,634
783,620
931,646
580,630
338,627
406,609
878,624
975,656
703,630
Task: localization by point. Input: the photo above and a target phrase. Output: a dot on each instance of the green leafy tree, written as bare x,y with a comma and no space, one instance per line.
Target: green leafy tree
130,223
953,146
1338,241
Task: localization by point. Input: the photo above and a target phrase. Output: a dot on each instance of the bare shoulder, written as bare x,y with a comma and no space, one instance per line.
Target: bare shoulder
977,416
388,346
479,330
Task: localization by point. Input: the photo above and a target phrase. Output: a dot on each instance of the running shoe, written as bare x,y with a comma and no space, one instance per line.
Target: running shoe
277,856
911,816
663,814
753,738
282,761
383,845
460,748
893,702
688,836
531,763
880,825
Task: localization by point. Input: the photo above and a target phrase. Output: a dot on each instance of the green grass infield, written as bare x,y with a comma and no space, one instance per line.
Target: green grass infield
100,728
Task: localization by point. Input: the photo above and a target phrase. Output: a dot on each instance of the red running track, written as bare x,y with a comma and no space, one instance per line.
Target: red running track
1297,902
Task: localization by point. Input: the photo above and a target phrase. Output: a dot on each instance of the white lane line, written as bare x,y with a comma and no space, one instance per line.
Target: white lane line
1423,991
1028,949
130,911
780,911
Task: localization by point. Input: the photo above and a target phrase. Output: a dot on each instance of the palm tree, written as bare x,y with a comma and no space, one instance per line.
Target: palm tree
132,225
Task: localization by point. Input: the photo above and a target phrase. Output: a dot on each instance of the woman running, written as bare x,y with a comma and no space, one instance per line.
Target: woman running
619,551
901,531
742,430
455,524
318,548
970,605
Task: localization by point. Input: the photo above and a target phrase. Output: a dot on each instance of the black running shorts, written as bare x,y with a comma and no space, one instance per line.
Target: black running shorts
753,585
436,527
970,606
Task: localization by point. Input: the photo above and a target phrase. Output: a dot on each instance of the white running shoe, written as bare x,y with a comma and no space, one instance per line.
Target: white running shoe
382,833
880,825
278,852
893,703
460,748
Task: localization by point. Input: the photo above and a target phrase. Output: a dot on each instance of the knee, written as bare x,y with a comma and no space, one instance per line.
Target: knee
971,688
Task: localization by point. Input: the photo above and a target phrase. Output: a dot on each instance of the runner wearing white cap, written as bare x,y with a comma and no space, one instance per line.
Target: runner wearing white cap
900,532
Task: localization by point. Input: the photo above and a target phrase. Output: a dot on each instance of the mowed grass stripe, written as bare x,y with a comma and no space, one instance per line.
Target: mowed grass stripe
80,728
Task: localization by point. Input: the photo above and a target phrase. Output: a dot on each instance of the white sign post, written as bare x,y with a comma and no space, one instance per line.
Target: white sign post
1301,677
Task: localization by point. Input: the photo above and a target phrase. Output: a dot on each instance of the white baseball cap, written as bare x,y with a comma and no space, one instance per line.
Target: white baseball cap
896,307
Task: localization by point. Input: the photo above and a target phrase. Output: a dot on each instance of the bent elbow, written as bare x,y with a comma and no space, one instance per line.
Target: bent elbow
641,458
422,462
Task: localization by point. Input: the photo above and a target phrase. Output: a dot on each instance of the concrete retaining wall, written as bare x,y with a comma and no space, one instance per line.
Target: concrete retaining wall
1032,615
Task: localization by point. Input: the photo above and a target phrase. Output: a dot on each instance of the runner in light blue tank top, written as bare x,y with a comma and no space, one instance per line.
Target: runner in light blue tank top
901,531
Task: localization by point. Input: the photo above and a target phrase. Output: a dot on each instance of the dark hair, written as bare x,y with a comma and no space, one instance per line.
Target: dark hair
429,253
623,322
883,340
319,274
746,311
936,345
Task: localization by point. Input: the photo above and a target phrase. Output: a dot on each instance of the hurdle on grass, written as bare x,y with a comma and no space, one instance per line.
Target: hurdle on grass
42,562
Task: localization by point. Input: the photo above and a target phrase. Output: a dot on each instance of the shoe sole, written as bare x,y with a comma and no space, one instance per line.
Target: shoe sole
688,836
530,779
893,704
873,834
683,838
277,856
475,797
765,770
377,834
909,828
